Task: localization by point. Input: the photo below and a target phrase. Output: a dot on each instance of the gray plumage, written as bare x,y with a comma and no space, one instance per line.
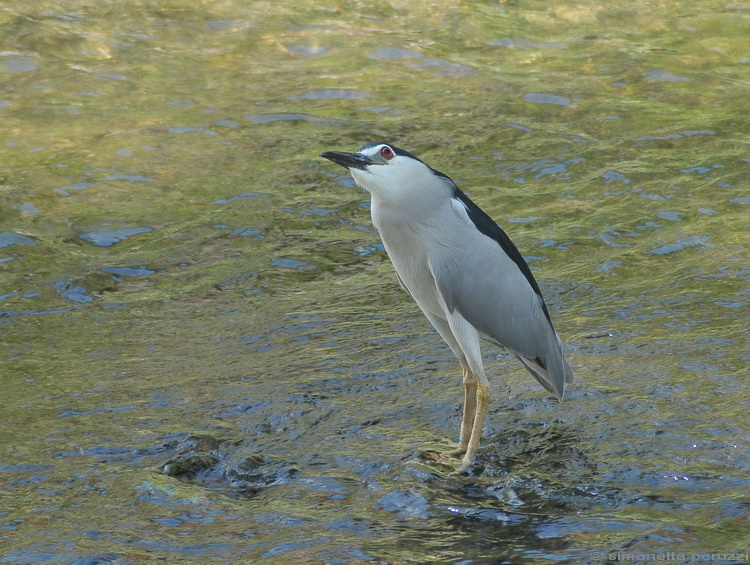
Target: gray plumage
463,272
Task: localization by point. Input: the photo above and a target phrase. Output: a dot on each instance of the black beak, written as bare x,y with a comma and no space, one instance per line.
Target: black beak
348,160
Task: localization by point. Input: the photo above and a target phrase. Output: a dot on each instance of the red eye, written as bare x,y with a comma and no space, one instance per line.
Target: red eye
387,152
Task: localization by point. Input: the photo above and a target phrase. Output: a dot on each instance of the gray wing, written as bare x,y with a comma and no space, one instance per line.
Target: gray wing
487,288
401,283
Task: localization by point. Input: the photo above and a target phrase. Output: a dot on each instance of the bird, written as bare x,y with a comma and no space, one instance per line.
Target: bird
464,273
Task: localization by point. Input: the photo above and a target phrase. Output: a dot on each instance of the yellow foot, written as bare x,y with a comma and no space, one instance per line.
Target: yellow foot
463,465
439,461
444,463
450,459
459,451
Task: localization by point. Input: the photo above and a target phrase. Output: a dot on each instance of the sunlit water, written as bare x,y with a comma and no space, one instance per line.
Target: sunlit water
206,356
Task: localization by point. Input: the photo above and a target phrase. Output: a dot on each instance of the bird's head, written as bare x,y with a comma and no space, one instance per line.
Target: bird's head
386,170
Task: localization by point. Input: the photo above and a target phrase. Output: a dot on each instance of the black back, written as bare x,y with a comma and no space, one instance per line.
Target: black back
488,227
484,224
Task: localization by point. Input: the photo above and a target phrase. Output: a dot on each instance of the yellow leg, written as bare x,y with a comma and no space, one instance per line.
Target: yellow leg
470,406
482,403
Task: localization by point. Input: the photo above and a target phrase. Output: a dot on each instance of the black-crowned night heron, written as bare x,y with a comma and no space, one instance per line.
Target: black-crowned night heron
463,272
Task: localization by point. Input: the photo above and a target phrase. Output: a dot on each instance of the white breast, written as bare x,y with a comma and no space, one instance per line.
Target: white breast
411,238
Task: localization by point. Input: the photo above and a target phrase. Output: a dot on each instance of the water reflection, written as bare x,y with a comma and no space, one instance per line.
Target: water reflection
206,355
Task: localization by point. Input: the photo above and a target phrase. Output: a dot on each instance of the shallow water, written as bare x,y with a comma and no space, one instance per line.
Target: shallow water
206,356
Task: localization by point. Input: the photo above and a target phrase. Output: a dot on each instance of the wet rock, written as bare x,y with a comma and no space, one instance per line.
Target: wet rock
408,504
214,462
195,455
190,464
103,559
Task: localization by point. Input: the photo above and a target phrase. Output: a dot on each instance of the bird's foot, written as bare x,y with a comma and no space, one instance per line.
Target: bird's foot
445,463
439,462
452,458
459,451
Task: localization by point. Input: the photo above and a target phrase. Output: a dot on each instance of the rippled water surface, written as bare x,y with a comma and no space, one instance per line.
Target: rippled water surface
205,356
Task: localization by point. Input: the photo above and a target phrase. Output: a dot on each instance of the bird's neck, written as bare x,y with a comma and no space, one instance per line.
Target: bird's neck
398,218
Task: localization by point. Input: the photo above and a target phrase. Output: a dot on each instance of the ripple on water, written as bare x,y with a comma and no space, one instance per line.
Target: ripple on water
9,238
394,53
708,211
242,196
541,98
408,504
526,219
700,241
269,118
244,232
539,169
686,133
607,266
613,176
128,271
19,64
332,94
311,212
192,129
524,44
518,127
72,292
321,411
129,175
308,50
670,215
221,25
64,190
292,264
664,76
25,208
227,123
611,235
107,238
443,68
370,249
387,110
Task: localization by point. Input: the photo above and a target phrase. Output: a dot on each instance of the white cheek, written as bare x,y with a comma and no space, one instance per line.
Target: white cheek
367,180
394,180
